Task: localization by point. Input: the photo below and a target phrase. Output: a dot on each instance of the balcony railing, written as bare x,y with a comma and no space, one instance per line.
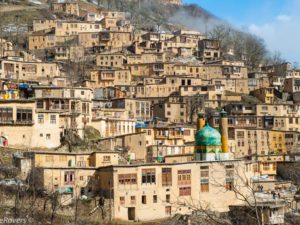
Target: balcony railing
26,122
14,122
175,136
161,136
292,111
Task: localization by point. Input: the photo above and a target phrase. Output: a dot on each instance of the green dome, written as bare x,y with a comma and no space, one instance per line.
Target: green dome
208,136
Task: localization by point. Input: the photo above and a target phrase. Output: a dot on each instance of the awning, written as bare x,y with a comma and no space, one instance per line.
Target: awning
65,190
23,86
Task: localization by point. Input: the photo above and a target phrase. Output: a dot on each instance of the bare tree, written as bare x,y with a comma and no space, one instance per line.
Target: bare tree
239,183
195,104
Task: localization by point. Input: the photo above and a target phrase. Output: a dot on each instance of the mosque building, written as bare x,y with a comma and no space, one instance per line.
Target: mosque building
212,144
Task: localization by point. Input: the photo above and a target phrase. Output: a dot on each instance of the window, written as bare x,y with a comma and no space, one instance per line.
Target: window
185,191
168,198
128,178
204,171
69,177
53,119
84,108
106,158
255,168
184,177
266,166
144,199
6,114
166,176
204,185
229,184
40,118
154,198
148,176
132,200
240,134
48,136
229,173
72,93
158,67
204,182
24,115
39,104
168,210
229,170
122,200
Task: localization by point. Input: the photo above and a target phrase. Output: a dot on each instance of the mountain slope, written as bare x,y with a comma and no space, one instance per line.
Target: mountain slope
154,16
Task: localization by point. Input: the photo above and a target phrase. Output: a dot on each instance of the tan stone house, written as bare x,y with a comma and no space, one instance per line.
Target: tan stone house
160,191
68,7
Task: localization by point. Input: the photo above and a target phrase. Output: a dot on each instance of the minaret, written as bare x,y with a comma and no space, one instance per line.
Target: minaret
224,131
201,121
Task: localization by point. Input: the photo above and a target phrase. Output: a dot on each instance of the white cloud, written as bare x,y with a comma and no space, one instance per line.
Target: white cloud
282,33
283,18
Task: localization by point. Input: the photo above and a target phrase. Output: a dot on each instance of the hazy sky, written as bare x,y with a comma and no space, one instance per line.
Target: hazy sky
276,21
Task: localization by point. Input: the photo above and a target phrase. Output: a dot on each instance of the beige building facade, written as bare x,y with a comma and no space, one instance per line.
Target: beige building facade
22,127
161,191
31,71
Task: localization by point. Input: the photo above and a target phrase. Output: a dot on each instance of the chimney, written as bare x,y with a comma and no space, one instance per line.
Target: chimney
224,130
201,120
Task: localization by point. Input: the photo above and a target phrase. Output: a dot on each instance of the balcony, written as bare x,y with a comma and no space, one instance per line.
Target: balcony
160,136
26,122
107,77
241,123
59,109
175,136
17,123
7,122
243,110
